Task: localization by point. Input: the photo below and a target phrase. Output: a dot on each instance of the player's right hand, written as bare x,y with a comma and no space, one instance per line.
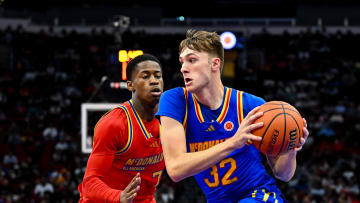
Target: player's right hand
243,135
130,192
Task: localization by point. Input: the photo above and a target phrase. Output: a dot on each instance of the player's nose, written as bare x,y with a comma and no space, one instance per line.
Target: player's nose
154,80
184,68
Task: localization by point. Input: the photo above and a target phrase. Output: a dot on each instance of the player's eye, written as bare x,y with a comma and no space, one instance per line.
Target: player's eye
192,60
145,76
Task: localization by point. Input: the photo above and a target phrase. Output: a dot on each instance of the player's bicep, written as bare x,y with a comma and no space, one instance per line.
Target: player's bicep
172,138
101,158
99,165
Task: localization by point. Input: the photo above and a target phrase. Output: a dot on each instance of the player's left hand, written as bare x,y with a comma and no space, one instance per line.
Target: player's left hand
304,138
131,190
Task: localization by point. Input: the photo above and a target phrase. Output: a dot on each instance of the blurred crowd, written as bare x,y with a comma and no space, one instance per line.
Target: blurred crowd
45,76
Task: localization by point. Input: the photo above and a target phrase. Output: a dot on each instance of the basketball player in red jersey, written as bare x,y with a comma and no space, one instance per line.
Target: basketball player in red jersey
126,162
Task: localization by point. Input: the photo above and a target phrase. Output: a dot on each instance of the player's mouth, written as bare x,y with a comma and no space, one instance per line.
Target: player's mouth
187,81
156,92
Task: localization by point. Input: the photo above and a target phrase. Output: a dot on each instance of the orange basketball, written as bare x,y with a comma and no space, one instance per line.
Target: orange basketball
282,128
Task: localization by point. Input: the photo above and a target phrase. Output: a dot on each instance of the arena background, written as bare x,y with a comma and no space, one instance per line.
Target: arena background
56,55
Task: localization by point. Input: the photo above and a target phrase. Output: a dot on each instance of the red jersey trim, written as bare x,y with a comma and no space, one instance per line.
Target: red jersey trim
239,102
225,108
186,111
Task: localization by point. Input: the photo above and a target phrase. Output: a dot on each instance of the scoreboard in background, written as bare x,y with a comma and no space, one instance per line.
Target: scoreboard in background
114,88
125,57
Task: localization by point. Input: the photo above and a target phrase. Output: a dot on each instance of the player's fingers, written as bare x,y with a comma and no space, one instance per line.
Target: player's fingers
305,123
133,183
132,192
296,149
305,133
251,118
254,126
252,112
252,137
255,116
131,197
302,141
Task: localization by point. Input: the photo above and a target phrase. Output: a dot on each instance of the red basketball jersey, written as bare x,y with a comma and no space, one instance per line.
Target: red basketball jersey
131,146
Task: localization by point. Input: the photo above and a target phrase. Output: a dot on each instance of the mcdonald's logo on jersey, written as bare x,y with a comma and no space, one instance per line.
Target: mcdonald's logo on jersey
228,126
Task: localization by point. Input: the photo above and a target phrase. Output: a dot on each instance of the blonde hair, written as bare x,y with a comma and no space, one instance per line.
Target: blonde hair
204,41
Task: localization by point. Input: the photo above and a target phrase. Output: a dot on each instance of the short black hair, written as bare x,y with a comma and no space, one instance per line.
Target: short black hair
135,61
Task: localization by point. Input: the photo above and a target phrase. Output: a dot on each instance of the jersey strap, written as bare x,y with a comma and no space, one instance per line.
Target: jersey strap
130,131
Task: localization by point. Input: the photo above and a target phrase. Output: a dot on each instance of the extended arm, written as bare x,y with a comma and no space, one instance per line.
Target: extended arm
106,143
181,164
284,166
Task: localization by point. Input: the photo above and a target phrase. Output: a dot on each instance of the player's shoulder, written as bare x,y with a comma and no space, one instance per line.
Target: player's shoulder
113,118
250,101
173,95
248,97
173,103
177,91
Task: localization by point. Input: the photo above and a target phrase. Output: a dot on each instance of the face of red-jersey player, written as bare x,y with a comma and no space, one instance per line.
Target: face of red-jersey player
147,83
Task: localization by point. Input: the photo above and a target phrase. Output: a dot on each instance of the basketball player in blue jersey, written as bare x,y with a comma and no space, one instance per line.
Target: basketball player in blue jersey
206,130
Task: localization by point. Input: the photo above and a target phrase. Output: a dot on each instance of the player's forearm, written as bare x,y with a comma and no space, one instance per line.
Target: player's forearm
284,166
97,191
188,164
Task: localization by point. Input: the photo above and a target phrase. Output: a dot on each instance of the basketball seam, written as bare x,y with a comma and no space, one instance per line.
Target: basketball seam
284,136
283,109
270,103
268,126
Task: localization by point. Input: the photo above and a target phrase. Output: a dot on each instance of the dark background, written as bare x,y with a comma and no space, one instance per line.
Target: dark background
151,12
48,72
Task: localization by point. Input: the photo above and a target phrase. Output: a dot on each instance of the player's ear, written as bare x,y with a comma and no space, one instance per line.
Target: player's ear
130,86
215,64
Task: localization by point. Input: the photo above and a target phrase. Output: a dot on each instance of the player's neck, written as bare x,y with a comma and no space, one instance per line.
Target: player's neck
145,110
212,95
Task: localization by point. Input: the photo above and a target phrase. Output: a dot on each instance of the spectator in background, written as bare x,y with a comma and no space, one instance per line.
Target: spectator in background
43,187
10,159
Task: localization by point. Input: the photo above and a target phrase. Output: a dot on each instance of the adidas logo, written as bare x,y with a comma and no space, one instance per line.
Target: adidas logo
154,144
210,129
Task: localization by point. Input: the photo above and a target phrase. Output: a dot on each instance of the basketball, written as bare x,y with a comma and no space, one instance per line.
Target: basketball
282,128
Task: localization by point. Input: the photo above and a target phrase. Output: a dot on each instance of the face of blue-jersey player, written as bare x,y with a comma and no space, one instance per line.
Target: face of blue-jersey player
196,68
147,83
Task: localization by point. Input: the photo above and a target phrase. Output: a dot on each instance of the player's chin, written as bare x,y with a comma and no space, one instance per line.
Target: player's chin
154,99
189,88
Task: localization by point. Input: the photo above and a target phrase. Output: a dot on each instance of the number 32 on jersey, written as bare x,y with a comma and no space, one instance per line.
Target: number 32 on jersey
225,180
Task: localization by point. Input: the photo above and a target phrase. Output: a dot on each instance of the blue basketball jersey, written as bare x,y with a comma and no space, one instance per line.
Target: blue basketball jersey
239,174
